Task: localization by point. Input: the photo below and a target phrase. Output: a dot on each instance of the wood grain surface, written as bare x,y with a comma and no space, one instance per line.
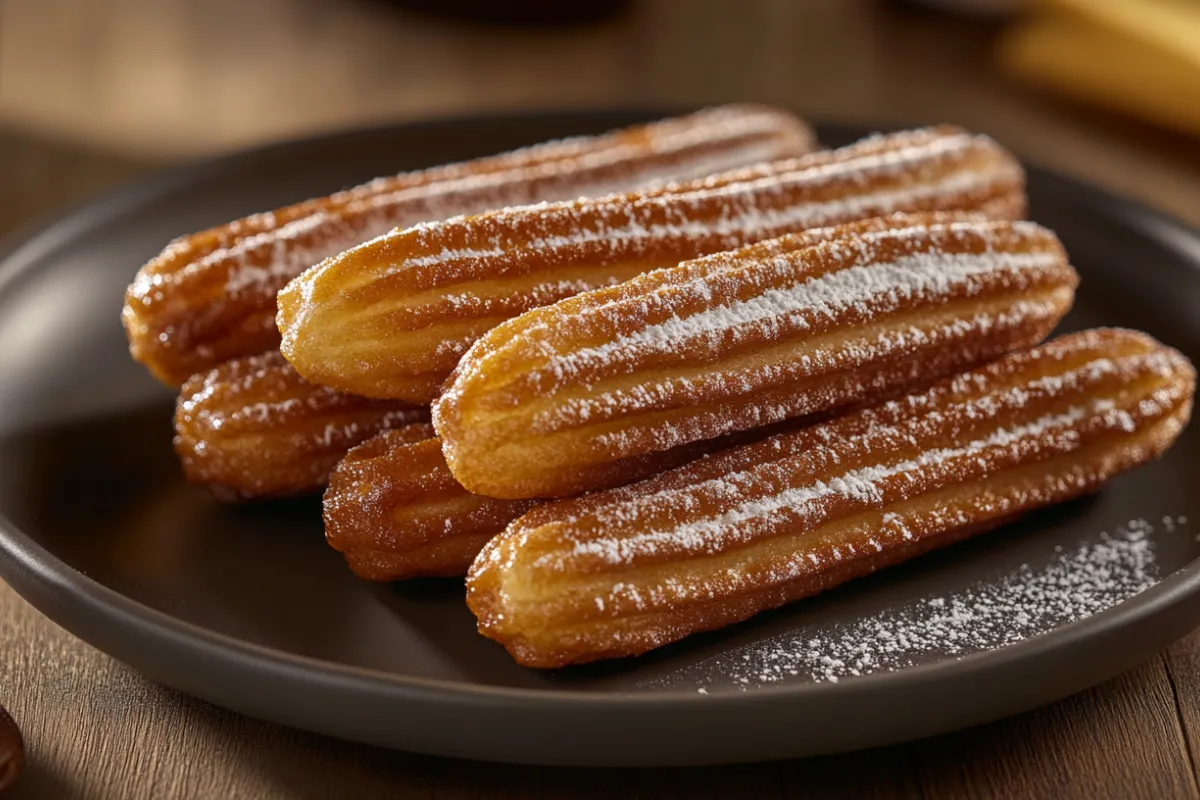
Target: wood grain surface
93,92
12,750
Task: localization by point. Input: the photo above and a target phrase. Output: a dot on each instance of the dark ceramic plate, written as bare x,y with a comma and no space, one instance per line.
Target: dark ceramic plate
248,608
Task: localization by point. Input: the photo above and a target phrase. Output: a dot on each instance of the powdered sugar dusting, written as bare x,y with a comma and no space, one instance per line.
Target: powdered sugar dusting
825,296
673,150
1074,584
860,484
754,207
274,257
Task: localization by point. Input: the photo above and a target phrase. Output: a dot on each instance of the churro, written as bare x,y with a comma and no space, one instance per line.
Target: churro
210,296
715,542
253,428
737,340
392,317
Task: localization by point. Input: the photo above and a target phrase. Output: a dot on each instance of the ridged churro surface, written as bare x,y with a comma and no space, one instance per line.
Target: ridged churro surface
253,428
210,296
738,340
624,571
395,510
391,317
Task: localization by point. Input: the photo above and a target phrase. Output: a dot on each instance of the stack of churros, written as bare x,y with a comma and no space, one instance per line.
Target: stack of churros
631,417
206,306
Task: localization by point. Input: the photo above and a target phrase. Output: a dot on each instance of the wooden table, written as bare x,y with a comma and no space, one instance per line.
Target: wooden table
93,92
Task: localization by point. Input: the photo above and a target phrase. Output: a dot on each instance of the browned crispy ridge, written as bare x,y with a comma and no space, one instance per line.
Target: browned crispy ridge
253,428
395,510
624,571
741,339
391,318
210,296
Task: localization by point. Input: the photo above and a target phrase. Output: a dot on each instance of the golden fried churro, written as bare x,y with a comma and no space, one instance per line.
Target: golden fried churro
739,340
210,296
624,571
395,510
253,428
391,318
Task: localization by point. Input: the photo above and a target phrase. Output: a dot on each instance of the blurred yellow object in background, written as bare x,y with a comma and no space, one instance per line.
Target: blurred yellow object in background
1141,57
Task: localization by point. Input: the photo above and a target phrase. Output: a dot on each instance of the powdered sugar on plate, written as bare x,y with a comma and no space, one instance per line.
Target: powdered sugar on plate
1075,584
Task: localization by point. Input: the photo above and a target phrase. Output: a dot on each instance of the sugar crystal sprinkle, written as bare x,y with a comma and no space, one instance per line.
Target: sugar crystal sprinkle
1074,584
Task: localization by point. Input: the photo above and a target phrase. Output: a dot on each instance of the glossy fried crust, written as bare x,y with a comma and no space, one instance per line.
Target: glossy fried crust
391,318
715,542
253,428
742,339
210,296
395,510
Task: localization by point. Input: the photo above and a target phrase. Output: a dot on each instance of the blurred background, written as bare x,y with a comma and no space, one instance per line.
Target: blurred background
93,92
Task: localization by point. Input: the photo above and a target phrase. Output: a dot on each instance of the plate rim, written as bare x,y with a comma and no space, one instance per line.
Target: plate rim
54,587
